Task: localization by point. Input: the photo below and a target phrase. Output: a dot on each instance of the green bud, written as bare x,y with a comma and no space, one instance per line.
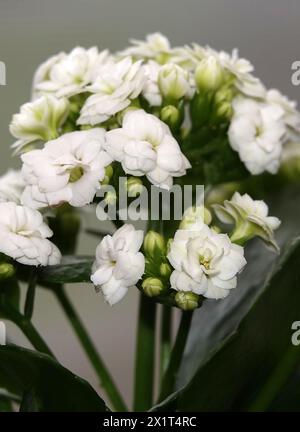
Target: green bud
216,229
6,271
209,74
225,94
154,244
134,186
195,214
165,270
224,111
171,116
152,287
173,82
187,301
110,197
108,175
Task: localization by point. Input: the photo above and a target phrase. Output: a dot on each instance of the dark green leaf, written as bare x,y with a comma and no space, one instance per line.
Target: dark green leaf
236,373
53,386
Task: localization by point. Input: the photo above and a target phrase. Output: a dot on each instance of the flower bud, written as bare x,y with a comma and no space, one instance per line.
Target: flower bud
108,175
171,116
165,270
154,244
225,94
173,82
38,120
134,186
152,287
6,271
187,301
209,74
110,197
194,215
224,111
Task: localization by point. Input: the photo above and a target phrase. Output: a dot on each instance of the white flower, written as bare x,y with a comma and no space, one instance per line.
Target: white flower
250,218
173,82
291,115
156,46
68,169
119,264
151,90
11,186
209,73
39,120
256,132
205,263
241,69
23,236
144,146
69,74
115,86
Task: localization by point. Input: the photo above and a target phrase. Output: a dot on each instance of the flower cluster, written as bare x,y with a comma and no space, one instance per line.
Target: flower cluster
159,115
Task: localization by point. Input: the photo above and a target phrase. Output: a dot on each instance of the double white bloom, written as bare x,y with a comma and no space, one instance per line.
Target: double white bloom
119,264
11,186
117,83
205,263
68,169
69,74
23,236
251,218
145,146
257,132
39,120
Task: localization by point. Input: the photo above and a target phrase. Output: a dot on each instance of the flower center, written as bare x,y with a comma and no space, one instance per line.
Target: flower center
205,259
75,174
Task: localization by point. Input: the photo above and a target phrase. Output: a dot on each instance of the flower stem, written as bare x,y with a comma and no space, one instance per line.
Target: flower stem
145,355
169,379
106,380
28,329
30,296
165,342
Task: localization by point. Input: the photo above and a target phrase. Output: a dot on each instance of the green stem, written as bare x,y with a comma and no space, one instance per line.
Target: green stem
28,329
106,380
276,381
145,355
165,342
30,296
169,379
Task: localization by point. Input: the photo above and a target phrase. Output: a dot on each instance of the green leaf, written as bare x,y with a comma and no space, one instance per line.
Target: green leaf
72,269
9,295
53,386
239,374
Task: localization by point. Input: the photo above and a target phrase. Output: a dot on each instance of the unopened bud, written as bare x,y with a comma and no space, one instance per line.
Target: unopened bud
154,244
209,74
173,82
187,301
110,197
134,186
165,270
194,215
108,175
152,287
6,271
171,116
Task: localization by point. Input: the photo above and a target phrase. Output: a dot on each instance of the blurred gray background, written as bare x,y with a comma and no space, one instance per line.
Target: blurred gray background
265,31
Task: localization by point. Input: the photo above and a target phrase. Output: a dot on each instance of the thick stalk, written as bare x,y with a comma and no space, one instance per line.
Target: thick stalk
106,380
145,355
28,329
165,341
169,379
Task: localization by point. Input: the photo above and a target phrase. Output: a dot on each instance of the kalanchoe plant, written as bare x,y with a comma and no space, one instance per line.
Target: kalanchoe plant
158,116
